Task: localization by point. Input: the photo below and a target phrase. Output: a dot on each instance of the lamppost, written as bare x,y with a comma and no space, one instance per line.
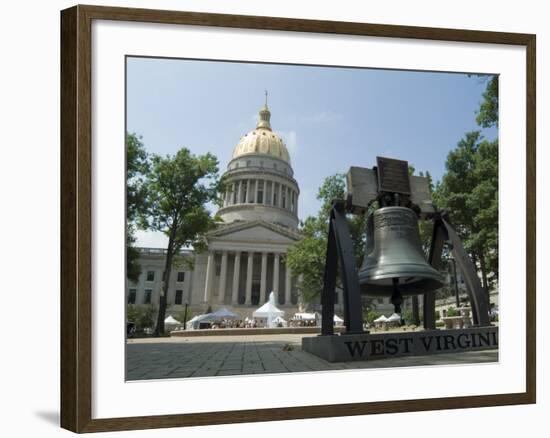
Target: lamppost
185,315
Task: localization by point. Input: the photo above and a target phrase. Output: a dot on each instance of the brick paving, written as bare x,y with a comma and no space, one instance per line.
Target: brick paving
169,358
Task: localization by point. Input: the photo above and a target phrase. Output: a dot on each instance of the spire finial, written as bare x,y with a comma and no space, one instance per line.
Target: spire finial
265,115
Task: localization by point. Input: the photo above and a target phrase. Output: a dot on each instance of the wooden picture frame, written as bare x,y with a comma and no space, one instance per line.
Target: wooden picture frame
76,217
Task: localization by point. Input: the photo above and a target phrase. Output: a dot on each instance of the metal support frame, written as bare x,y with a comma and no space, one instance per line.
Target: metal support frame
340,248
442,232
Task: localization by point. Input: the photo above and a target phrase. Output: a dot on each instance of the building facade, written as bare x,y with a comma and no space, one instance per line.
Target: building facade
246,256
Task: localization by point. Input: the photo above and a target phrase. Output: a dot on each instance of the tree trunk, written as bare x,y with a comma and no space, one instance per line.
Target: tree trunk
159,329
415,310
484,277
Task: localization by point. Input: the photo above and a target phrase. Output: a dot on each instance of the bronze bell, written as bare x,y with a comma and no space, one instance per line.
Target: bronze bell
394,261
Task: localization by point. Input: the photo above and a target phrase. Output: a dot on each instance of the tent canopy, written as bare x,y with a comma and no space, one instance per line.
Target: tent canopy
223,313
381,319
171,320
338,319
268,309
194,322
394,317
304,316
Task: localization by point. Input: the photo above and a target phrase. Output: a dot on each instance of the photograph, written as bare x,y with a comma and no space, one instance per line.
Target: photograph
295,218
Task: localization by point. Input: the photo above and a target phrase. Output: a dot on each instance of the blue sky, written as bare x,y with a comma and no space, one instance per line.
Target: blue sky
330,117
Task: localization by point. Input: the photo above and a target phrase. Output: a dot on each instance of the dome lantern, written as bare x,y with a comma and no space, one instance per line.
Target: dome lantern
265,116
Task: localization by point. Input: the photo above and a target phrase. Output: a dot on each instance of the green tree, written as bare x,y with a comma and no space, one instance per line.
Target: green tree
178,188
137,166
307,257
469,192
487,115
142,316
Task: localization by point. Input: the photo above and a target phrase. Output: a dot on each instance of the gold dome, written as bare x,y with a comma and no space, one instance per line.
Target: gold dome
262,140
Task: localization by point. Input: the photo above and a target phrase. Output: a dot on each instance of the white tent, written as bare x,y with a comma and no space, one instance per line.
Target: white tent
338,320
171,320
193,323
222,314
269,311
381,319
304,316
280,320
394,317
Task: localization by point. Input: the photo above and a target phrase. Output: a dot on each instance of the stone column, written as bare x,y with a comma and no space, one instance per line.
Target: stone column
248,299
256,185
263,279
280,196
276,276
223,277
210,268
236,272
288,284
239,192
287,191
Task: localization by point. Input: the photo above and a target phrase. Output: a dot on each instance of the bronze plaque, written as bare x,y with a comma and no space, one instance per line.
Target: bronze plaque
393,176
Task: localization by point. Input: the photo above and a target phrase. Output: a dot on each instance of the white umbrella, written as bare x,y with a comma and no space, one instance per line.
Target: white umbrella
337,319
381,319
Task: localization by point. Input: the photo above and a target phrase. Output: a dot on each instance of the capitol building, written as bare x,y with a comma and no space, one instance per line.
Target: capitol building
246,256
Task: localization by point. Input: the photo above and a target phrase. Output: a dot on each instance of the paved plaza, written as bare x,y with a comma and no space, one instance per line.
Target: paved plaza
169,358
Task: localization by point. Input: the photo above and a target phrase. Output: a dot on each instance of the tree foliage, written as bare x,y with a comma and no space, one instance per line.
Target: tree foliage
137,166
307,257
469,193
177,190
142,316
487,115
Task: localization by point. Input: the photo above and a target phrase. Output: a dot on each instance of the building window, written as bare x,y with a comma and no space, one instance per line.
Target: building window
268,189
275,190
179,297
148,293
251,189
247,163
181,277
275,166
132,296
150,275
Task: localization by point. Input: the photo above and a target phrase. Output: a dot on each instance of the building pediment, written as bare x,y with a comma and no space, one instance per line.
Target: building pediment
255,231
